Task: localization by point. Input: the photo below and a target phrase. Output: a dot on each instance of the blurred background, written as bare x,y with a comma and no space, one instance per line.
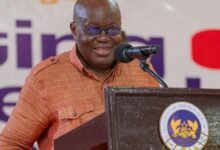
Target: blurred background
188,33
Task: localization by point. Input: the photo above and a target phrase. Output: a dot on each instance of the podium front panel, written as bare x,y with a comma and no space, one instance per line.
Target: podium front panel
134,115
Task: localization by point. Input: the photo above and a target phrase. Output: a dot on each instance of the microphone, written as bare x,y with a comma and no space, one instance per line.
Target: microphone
125,52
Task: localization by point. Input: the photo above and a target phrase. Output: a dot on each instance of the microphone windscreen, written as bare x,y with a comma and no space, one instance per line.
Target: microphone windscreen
120,53
155,49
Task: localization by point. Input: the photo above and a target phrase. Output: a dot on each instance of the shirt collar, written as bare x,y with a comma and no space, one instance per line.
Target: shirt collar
75,60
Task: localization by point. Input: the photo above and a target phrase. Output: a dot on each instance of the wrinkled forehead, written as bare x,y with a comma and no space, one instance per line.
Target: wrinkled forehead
97,11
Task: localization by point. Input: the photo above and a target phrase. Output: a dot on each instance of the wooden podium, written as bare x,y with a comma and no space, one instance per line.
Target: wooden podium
133,120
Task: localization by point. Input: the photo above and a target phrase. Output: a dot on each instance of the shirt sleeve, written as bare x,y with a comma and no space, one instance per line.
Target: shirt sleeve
28,120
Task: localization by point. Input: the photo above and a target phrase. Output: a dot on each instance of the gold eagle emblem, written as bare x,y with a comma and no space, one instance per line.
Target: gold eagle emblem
184,129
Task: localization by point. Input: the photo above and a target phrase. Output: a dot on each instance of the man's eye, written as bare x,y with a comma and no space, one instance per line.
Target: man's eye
93,30
113,30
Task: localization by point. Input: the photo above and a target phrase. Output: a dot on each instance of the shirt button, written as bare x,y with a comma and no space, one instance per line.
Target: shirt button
74,114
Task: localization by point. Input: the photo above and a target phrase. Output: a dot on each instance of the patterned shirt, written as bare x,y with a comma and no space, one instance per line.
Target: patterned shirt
59,95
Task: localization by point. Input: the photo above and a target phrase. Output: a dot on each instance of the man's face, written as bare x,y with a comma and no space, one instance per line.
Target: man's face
97,51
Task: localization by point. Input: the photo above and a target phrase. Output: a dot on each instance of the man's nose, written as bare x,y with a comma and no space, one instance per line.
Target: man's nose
103,36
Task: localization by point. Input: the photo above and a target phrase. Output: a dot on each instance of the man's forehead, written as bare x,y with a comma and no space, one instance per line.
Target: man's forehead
89,8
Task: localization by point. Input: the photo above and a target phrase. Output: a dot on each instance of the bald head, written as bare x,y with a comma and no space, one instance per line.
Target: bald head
84,9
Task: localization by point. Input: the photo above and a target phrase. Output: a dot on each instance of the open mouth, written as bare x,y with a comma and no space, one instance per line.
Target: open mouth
103,51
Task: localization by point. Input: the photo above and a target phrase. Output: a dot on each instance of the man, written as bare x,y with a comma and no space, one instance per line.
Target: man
65,91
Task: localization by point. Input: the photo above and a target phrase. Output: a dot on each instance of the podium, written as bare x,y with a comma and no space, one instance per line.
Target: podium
135,119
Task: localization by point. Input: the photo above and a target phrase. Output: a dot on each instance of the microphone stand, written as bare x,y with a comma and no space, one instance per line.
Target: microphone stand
145,68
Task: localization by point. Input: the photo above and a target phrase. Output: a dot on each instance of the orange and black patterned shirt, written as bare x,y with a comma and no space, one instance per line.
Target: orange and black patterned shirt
59,95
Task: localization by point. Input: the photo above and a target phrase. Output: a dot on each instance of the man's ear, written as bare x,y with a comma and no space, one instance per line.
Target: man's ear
73,28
